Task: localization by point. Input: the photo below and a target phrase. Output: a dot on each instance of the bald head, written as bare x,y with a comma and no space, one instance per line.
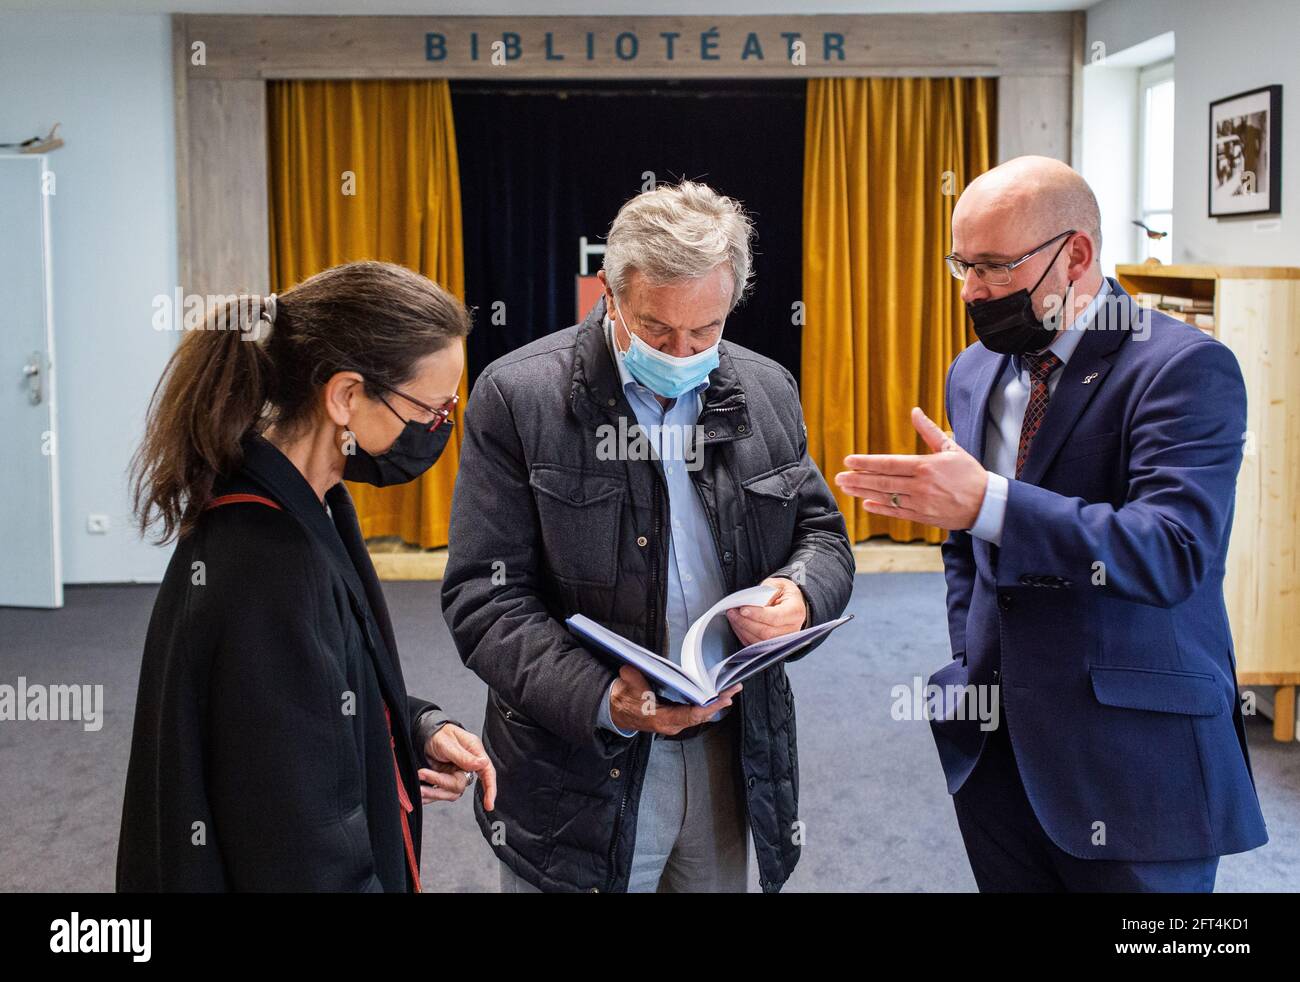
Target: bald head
1023,202
1019,208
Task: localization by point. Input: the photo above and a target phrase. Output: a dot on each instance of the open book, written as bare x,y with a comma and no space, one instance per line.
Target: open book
691,679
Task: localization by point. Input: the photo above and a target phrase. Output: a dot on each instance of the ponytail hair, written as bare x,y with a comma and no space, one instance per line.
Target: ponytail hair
262,360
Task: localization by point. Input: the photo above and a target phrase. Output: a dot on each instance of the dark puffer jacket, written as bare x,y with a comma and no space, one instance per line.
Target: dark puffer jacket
542,527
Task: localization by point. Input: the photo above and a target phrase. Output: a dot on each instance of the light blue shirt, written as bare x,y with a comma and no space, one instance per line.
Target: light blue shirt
1006,414
695,579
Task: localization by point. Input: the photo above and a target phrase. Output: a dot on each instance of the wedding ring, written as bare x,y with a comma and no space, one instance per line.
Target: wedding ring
893,499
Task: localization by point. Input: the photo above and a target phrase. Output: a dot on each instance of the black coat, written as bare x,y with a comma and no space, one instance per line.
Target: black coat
545,525
260,758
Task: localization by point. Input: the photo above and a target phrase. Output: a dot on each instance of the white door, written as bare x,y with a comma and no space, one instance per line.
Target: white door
31,573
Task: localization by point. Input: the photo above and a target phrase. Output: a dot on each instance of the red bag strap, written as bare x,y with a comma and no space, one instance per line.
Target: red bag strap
404,807
235,499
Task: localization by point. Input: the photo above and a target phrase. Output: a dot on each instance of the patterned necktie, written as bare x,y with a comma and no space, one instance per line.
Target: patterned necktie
1041,367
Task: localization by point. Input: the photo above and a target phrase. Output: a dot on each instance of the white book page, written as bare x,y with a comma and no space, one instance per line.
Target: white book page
692,646
764,653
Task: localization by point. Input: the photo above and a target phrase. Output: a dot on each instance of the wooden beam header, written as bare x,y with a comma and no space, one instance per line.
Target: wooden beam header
238,46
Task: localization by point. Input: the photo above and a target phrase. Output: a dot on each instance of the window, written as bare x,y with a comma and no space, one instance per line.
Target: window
1155,183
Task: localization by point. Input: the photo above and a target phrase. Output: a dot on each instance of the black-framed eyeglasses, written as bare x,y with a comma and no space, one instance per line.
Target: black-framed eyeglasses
440,413
997,274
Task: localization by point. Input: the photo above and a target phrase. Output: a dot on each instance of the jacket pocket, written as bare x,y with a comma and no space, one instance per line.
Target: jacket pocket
580,514
530,759
772,498
1157,690
510,714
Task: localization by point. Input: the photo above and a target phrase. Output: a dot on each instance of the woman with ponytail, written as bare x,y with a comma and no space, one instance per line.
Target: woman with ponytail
275,746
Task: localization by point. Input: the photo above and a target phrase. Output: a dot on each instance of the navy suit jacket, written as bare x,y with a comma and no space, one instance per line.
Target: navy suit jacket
1101,615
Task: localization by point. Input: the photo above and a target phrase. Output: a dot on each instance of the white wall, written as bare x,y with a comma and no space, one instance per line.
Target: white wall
107,79
1107,157
1221,49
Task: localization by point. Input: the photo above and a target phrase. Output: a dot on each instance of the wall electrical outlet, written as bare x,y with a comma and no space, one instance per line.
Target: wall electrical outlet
97,524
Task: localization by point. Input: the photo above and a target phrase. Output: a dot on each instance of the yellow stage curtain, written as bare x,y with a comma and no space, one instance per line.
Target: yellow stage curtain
368,170
884,161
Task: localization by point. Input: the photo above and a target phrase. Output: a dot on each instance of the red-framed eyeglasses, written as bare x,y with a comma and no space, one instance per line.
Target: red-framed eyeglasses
440,413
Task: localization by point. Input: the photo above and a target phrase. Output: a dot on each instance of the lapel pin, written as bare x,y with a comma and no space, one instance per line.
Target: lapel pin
1089,378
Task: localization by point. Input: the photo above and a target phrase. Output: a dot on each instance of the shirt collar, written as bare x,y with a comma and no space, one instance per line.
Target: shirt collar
1068,339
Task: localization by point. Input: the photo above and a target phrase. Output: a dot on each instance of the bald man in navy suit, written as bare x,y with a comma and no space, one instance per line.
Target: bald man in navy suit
1089,490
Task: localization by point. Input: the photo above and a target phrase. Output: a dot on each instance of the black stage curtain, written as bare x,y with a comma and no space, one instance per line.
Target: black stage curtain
544,163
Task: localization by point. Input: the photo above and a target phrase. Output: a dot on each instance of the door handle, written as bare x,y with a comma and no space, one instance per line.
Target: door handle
32,372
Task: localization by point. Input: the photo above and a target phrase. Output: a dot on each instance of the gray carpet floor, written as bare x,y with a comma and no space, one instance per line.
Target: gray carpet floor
877,815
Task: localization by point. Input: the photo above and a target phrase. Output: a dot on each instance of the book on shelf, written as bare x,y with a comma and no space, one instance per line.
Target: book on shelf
1186,305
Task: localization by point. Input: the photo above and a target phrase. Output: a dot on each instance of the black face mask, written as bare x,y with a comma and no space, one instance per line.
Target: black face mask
1007,325
413,452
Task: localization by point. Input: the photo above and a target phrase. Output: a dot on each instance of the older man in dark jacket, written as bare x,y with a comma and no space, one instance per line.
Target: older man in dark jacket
559,509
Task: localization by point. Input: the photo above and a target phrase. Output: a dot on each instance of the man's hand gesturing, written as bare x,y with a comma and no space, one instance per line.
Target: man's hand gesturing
944,488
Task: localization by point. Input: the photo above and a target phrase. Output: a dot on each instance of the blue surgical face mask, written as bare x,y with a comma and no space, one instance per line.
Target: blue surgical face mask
663,374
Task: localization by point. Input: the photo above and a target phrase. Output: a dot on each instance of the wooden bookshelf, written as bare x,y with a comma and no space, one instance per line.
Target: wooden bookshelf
1257,315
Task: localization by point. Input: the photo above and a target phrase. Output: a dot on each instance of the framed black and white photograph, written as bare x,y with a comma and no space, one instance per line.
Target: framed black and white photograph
1246,153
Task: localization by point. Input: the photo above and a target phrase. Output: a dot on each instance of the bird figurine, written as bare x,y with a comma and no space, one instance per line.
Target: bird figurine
37,144
1151,233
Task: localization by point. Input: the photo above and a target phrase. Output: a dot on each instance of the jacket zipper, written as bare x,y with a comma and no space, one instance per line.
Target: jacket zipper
713,525
639,740
719,409
657,598
731,584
